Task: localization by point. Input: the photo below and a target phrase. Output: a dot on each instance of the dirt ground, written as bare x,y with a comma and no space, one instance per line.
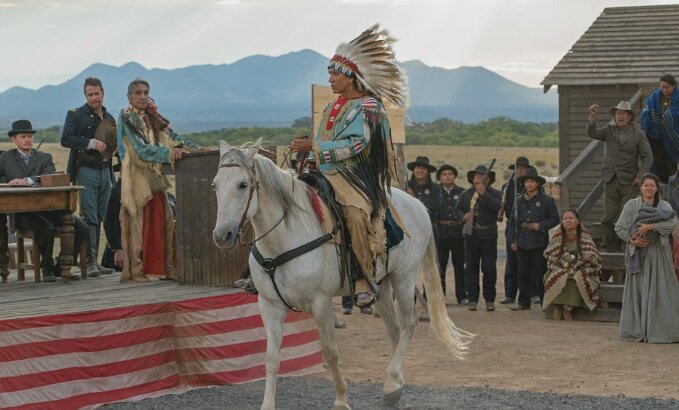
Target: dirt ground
515,351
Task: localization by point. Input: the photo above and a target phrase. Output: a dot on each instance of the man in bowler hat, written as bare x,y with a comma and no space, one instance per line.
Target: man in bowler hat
22,166
478,208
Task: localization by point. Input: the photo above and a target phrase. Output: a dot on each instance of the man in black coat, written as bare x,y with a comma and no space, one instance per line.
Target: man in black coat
537,214
22,166
478,208
451,240
89,164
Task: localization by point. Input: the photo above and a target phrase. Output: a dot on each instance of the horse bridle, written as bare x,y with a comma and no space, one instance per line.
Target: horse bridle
254,186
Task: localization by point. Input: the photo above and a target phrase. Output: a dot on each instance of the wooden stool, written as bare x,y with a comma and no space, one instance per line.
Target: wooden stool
13,254
35,256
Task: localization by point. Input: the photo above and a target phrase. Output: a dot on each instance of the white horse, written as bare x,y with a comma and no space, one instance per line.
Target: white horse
250,186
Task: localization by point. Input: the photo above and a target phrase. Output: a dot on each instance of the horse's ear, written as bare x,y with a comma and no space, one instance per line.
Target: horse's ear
224,147
253,149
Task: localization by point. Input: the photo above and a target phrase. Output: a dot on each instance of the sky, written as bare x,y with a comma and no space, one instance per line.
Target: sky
46,42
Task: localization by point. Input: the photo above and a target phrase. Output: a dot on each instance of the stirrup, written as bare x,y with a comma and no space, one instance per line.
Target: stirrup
247,285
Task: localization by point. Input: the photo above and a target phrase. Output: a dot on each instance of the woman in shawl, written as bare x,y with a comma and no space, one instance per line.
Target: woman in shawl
573,264
650,304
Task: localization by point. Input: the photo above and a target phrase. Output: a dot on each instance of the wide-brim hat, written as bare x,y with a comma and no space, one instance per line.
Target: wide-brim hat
446,167
480,169
21,127
107,132
622,106
421,162
521,162
531,173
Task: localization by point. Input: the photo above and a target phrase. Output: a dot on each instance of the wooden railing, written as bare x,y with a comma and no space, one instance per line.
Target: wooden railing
579,166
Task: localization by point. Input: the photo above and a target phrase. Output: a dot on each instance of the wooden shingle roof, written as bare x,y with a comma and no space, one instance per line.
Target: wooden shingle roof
624,45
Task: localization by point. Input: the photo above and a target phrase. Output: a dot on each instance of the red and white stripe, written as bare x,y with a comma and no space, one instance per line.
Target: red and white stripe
82,360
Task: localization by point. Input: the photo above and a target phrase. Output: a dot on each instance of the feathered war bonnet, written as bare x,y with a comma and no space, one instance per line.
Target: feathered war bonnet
370,59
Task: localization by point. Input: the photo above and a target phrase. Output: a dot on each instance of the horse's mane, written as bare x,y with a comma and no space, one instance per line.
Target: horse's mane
286,189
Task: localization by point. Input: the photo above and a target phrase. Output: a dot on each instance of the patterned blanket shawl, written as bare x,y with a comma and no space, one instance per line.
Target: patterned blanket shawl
583,268
657,124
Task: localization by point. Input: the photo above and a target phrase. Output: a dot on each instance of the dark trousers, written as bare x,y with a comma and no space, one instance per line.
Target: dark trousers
512,276
532,268
453,248
46,225
347,302
480,253
511,273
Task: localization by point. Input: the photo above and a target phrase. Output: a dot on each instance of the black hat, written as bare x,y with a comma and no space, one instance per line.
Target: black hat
446,167
421,162
480,169
531,173
21,127
520,161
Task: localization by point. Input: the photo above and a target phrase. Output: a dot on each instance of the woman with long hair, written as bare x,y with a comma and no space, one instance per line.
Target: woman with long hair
650,304
573,265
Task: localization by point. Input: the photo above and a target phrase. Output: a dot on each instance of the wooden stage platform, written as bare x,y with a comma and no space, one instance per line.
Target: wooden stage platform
96,341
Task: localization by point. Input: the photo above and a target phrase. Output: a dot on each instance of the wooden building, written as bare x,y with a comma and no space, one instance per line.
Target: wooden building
621,56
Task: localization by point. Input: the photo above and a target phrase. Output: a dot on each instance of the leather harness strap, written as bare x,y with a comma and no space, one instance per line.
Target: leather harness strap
270,264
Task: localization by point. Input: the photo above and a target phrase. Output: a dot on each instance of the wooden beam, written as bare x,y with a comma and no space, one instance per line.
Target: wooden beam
591,199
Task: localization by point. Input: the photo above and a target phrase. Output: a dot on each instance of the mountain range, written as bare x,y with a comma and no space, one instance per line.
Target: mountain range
274,91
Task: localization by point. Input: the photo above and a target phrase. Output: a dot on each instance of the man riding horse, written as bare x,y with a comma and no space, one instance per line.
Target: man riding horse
353,149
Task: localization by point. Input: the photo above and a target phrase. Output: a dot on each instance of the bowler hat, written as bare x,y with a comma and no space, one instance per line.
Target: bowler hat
21,127
531,173
446,167
622,106
521,162
480,169
421,162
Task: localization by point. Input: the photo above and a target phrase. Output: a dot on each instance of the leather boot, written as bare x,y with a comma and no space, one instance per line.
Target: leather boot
92,268
102,270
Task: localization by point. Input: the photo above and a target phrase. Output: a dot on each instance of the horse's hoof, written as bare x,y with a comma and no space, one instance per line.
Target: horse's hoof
341,407
390,399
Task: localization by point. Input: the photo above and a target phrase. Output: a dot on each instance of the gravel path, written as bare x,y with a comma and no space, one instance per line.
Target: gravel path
314,393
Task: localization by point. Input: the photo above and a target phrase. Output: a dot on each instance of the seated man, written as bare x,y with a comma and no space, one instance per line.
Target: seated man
20,167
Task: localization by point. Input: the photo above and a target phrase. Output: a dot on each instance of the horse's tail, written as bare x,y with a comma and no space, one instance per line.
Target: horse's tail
454,338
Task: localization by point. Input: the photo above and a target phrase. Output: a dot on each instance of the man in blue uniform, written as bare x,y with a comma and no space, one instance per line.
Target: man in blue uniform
478,207
451,240
89,164
537,214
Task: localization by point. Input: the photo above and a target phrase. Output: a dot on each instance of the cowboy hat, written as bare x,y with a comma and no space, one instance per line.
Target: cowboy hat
446,167
480,169
421,162
622,106
21,127
521,162
106,132
531,173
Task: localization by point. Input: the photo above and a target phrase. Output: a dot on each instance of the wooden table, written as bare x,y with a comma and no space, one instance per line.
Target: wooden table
15,200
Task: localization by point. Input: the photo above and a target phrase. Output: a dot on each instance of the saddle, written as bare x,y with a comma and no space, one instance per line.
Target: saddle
321,189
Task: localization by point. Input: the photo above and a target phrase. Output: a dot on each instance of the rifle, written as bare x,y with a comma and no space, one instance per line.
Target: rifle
503,203
469,224
40,144
515,208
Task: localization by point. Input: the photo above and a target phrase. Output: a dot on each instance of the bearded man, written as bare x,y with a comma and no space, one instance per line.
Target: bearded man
353,150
